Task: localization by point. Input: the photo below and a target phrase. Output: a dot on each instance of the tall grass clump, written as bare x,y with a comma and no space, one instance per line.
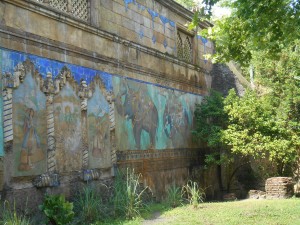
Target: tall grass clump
194,194
10,216
174,196
89,206
128,193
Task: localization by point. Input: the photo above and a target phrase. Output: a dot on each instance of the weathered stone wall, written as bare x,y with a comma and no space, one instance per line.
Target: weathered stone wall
78,93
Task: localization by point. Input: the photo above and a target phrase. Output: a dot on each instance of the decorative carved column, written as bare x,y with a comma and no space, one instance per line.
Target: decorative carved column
7,115
48,89
111,102
84,94
10,82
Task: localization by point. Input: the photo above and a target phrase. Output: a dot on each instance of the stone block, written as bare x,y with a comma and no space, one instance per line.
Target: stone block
109,15
127,23
147,22
119,9
95,13
147,32
137,27
74,36
147,41
135,16
110,26
108,4
279,187
159,27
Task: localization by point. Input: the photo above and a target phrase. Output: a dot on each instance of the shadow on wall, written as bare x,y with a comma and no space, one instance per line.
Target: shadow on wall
223,79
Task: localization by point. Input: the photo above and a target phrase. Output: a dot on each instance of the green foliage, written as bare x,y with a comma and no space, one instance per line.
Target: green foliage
128,193
258,128
89,206
57,209
195,195
267,25
174,196
283,211
202,9
186,3
210,120
10,216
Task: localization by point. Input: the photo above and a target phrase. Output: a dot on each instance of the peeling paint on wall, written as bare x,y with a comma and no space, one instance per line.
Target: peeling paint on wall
99,130
152,117
30,129
147,116
68,130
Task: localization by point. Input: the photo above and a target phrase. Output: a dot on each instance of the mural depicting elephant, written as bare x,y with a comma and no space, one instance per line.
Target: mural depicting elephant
137,106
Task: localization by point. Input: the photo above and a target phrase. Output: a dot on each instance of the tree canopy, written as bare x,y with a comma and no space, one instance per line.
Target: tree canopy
265,122
268,25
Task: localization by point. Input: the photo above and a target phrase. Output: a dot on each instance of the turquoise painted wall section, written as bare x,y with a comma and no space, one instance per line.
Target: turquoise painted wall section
150,116
1,109
147,116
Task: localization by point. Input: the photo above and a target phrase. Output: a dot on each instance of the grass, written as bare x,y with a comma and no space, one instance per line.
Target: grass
251,212
174,196
195,195
9,216
239,212
89,206
128,195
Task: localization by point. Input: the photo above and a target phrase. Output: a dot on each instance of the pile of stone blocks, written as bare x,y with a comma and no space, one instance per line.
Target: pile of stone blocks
279,187
256,194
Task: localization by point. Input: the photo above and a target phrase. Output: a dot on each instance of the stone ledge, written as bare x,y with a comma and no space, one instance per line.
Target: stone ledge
12,33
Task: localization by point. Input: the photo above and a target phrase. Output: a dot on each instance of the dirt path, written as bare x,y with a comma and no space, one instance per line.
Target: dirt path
156,218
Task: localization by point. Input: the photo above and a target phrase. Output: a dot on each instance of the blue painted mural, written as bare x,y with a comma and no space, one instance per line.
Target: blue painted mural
1,110
43,66
67,120
30,128
147,116
152,117
98,128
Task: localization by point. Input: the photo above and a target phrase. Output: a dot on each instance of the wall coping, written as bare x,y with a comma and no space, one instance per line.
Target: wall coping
182,11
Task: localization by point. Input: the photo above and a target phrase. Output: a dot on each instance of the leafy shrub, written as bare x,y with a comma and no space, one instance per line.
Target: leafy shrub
174,196
10,217
194,193
89,206
57,209
128,192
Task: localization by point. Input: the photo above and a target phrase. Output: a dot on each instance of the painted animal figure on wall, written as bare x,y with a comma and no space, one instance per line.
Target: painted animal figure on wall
137,106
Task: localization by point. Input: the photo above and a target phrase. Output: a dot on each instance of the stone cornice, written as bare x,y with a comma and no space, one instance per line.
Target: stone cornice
182,11
177,8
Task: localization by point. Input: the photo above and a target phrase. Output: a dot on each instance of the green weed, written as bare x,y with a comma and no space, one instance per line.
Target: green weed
174,196
193,193
11,217
89,206
127,198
